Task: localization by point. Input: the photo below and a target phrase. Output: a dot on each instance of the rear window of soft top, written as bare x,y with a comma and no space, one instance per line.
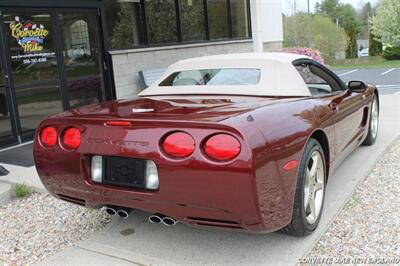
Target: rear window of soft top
213,77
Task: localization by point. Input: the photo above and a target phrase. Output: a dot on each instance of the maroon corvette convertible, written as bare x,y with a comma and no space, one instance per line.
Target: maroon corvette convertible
241,142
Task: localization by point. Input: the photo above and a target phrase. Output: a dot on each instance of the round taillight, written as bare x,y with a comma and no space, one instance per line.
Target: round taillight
48,136
222,147
72,138
179,144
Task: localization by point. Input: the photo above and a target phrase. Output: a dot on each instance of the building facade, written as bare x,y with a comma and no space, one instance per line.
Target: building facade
56,55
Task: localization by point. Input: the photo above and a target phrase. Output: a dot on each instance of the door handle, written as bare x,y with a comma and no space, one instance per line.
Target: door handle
334,106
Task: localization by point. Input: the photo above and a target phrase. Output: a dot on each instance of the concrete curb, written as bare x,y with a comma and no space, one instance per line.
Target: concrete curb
5,193
23,175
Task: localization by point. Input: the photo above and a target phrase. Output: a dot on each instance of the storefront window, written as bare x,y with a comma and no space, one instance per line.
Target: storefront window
137,23
193,20
82,61
125,24
218,19
240,20
161,21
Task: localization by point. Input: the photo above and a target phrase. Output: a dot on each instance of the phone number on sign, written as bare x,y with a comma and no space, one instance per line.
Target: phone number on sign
35,60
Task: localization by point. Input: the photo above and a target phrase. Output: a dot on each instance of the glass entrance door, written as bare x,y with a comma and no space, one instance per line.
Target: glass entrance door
54,59
6,131
34,67
82,57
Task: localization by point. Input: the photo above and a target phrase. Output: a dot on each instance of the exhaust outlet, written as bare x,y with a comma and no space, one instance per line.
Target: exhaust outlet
123,214
156,218
111,211
168,221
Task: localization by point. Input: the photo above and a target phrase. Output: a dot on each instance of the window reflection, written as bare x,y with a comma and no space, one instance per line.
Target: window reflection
82,58
193,20
34,67
161,21
240,20
218,19
5,123
125,24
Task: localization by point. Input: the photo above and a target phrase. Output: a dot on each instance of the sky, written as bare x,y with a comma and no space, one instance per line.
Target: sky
302,4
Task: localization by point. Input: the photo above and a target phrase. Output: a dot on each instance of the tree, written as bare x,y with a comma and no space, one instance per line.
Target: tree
365,14
327,8
386,23
375,47
122,36
351,49
325,36
347,18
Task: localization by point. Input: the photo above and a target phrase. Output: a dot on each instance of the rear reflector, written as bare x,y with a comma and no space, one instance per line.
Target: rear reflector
118,123
72,138
179,144
222,147
290,165
48,136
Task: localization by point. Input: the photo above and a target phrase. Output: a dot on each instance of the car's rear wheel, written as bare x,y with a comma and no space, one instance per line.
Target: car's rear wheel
373,123
310,191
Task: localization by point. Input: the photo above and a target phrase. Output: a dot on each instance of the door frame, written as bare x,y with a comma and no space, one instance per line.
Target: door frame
9,89
53,9
59,38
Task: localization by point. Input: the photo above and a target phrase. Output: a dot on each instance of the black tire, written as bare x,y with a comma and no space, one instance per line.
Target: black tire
371,137
299,226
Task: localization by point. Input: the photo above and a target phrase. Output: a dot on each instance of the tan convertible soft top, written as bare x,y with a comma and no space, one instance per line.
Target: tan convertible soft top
278,76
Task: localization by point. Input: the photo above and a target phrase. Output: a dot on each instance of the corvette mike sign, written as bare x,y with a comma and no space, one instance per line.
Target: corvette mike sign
29,36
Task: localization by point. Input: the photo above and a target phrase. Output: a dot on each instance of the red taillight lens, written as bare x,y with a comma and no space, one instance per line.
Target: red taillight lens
179,144
48,136
72,138
222,147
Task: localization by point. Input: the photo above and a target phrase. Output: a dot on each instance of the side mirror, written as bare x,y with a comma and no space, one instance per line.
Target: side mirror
357,86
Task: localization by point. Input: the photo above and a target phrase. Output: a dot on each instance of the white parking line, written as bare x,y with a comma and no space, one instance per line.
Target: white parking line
397,93
388,86
347,73
388,71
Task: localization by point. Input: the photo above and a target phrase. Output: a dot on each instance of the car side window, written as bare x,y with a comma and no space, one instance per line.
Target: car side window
317,80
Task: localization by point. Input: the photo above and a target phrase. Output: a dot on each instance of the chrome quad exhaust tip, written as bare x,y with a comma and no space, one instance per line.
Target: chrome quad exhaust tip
124,213
168,221
156,218
120,211
111,211
162,219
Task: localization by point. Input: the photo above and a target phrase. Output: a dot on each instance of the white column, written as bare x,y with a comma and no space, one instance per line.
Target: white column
255,9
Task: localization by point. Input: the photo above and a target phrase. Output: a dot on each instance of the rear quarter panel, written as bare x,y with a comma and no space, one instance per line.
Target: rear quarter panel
286,129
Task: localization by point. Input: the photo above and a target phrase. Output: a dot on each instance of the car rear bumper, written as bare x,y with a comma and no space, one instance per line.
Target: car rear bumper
248,193
213,198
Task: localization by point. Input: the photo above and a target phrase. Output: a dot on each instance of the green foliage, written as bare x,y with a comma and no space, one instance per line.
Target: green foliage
347,17
22,190
366,13
365,62
324,35
121,36
375,47
161,21
386,23
351,49
391,53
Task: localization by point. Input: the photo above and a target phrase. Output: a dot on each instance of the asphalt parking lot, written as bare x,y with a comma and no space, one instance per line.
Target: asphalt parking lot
135,241
386,79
